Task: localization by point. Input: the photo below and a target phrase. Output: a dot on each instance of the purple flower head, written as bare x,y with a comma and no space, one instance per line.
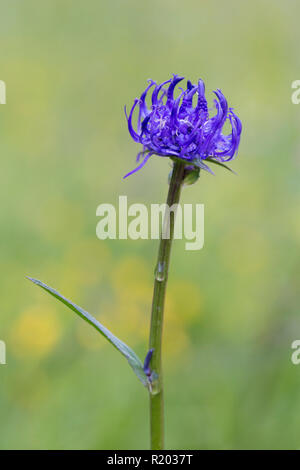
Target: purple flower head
181,127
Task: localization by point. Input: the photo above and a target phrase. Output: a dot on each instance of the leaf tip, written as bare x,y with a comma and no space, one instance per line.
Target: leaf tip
32,279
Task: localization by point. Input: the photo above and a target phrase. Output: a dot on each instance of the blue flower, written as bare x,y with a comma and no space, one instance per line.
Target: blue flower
181,129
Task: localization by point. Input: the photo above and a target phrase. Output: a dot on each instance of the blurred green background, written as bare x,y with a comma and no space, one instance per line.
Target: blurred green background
232,308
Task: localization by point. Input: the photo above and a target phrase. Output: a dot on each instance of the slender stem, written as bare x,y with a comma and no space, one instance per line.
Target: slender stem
160,284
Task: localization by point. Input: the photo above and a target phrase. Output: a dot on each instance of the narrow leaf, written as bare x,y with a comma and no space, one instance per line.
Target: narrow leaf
200,164
130,355
216,162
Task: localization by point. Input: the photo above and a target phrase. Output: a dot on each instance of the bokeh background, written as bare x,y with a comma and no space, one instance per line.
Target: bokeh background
232,308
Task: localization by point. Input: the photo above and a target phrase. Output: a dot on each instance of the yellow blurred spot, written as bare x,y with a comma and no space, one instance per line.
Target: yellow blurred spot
35,332
64,223
131,273
128,316
183,307
176,342
184,301
129,313
129,320
88,337
245,251
29,388
85,263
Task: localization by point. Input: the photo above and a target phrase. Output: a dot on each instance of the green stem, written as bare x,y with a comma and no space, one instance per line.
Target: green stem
160,284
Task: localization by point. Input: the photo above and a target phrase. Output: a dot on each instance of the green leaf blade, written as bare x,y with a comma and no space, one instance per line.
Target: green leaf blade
216,162
133,360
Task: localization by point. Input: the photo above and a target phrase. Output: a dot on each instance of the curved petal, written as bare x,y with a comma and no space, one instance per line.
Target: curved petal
187,101
174,111
132,132
216,124
223,103
140,166
143,111
202,103
176,79
157,90
189,85
232,141
144,124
